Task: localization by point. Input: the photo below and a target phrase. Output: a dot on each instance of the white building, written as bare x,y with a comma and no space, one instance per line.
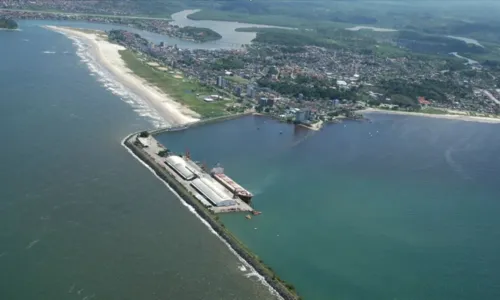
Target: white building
216,195
180,166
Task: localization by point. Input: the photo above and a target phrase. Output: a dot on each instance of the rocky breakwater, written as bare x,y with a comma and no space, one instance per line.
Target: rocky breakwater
285,290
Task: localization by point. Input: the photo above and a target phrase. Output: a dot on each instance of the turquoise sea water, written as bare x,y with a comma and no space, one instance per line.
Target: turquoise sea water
79,217
400,208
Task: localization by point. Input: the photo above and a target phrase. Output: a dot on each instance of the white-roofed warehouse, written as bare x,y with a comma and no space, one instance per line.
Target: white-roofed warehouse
180,166
211,192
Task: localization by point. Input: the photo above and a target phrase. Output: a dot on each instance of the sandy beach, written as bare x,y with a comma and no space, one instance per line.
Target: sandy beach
439,116
107,55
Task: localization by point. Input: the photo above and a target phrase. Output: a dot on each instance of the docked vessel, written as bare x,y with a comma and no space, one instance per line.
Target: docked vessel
218,174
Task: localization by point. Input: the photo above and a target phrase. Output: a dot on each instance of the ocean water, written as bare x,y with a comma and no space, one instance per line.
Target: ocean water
400,208
79,217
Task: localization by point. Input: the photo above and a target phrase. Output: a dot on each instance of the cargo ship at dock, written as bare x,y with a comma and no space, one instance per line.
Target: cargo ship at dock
218,174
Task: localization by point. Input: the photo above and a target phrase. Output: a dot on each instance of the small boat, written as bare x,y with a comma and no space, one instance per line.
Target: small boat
256,213
248,217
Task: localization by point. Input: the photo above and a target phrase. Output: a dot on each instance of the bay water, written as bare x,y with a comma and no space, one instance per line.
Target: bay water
401,207
79,217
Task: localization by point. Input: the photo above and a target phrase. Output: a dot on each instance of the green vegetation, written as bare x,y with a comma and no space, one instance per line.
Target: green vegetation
331,38
426,43
237,79
433,111
275,20
200,34
228,63
405,94
8,23
183,90
310,88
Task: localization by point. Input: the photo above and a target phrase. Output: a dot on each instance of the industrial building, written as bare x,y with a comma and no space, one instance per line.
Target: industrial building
303,115
209,189
143,141
180,166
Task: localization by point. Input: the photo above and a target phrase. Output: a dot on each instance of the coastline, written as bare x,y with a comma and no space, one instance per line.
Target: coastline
178,117
258,268
439,116
107,54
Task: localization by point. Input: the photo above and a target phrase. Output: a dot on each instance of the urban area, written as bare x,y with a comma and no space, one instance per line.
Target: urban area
295,78
310,84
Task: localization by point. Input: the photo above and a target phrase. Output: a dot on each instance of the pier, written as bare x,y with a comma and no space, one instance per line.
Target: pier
212,194
147,149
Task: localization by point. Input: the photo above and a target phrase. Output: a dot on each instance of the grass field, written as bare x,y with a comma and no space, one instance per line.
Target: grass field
181,90
237,79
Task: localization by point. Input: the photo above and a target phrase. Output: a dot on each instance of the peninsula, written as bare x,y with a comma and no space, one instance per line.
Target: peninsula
199,34
7,23
208,194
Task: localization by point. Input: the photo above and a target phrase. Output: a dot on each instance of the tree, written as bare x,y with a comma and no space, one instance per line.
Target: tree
163,152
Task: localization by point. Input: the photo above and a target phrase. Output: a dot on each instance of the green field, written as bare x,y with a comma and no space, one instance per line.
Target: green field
180,89
237,79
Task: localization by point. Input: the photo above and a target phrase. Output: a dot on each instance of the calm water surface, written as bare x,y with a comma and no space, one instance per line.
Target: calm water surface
230,37
79,217
401,208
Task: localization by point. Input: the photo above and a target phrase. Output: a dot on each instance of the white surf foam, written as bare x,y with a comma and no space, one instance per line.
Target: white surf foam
33,243
242,268
109,82
245,265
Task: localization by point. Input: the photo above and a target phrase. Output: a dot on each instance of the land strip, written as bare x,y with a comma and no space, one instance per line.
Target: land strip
444,115
285,290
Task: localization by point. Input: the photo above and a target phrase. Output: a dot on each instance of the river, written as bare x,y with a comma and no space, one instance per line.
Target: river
226,29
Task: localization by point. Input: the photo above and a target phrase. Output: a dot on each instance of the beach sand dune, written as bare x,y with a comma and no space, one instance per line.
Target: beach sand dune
107,54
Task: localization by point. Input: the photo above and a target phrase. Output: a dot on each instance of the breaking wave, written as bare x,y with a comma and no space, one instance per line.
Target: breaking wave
107,80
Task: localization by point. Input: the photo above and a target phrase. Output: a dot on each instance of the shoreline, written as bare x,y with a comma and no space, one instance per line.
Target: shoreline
178,117
245,255
466,118
107,55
